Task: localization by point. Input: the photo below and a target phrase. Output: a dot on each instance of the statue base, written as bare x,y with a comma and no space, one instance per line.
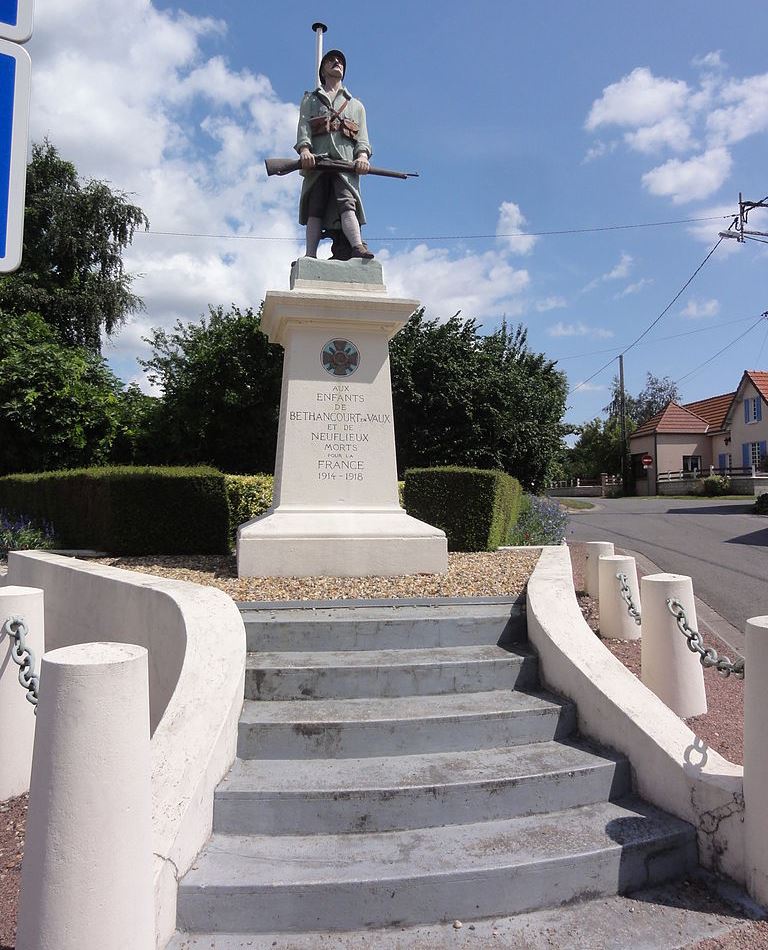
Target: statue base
335,510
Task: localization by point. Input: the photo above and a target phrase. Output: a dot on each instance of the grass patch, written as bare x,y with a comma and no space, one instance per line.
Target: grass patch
575,503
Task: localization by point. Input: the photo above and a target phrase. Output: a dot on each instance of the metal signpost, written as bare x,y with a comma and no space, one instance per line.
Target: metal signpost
15,74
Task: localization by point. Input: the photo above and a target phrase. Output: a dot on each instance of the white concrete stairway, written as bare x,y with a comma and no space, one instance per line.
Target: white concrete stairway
398,767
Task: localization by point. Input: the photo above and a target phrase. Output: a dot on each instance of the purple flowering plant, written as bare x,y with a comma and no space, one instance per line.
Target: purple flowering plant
541,521
19,533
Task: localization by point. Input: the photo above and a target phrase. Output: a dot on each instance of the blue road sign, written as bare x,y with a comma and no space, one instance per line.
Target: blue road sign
16,20
15,71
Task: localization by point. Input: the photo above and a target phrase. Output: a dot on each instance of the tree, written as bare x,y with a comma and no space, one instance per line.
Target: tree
59,406
651,399
597,450
72,269
465,399
221,384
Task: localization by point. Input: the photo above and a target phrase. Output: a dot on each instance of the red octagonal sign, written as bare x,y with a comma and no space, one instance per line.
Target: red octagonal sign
647,460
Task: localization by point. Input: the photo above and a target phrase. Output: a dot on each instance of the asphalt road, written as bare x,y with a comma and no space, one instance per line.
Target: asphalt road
719,544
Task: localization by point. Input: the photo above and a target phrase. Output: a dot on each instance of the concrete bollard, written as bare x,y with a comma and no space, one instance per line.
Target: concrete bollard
594,550
669,668
17,714
615,620
87,869
756,757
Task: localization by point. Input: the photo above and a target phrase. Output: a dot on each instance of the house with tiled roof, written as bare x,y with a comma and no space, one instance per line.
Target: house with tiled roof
727,434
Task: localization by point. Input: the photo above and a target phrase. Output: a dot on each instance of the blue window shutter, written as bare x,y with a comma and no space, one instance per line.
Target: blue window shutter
746,410
762,450
746,459
758,409
722,461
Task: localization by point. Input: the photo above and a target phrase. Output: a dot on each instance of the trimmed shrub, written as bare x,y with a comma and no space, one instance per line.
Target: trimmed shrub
541,521
127,510
714,485
249,496
761,505
475,507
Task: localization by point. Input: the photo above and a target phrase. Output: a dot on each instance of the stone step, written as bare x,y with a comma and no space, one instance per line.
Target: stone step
334,796
312,629
257,884
669,917
351,674
402,725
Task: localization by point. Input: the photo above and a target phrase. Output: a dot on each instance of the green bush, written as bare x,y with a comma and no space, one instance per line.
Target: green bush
714,485
249,496
475,507
761,505
126,510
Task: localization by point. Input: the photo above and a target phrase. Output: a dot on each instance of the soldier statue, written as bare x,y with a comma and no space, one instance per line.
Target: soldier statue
332,123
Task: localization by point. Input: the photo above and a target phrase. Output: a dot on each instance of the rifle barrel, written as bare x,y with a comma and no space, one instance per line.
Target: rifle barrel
284,166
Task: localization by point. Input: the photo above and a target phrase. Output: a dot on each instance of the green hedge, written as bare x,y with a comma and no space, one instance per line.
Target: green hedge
127,510
249,496
475,507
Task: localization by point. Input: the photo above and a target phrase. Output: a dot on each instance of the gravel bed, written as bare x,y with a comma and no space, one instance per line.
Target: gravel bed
13,814
487,574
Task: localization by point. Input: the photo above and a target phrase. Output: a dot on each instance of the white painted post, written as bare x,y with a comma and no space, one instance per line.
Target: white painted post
594,551
756,757
87,869
17,714
669,668
615,621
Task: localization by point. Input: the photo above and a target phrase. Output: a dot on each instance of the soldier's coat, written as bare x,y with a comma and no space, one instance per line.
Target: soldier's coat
333,144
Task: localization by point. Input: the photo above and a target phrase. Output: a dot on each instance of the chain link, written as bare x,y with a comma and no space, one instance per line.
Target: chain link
22,656
708,656
626,596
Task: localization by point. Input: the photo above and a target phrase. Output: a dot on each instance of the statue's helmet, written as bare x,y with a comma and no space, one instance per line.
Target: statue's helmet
342,57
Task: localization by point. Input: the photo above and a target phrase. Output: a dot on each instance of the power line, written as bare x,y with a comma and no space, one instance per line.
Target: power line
653,323
656,339
446,237
726,347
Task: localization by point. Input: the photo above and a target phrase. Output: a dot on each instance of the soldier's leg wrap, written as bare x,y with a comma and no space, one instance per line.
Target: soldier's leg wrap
351,228
314,229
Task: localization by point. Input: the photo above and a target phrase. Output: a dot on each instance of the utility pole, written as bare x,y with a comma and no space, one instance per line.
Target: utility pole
738,230
623,425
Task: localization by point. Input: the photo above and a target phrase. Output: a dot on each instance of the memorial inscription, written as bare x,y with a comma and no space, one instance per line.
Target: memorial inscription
339,431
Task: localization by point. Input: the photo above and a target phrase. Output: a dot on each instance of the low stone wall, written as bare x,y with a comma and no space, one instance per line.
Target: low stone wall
740,485
196,642
582,491
670,766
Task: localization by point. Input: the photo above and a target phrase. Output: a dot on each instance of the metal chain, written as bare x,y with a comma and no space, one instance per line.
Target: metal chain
626,596
22,656
708,656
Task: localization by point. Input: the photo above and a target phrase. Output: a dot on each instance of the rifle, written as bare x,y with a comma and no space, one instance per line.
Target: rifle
284,166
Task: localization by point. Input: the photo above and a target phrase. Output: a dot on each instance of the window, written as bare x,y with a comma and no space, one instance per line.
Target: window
754,452
691,463
752,410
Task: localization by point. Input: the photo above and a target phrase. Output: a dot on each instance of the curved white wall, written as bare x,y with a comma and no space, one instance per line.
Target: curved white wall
671,767
196,642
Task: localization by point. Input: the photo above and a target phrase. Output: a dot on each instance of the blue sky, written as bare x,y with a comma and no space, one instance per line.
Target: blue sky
520,117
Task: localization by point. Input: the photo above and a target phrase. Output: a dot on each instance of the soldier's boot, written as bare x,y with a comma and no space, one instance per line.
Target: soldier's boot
351,228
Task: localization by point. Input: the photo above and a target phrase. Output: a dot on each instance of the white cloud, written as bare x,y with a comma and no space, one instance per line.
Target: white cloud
699,309
638,99
621,270
673,133
696,178
588,388
634,288
711,61
744,111
578,329
480,285
598,150
511,219
550,303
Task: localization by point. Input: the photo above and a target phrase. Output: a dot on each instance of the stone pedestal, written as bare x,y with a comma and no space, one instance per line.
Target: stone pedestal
335,509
